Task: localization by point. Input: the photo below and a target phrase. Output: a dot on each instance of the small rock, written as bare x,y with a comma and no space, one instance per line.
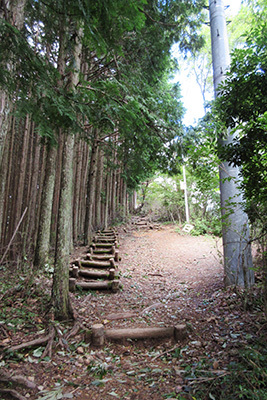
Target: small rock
80,350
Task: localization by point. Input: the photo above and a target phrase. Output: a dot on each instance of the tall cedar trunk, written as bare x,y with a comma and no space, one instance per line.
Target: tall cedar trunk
236,244
108,198
7,184
13,11
98,202
60,290
22,171
44,229
43,238
4,177
91,190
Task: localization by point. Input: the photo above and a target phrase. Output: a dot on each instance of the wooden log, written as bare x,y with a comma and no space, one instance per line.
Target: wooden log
104,239
116,256
99,285
75,272
180,332
97,264
99,257
102,251
98,335
112,262
72,284
98,274
139,333
115,285
102,245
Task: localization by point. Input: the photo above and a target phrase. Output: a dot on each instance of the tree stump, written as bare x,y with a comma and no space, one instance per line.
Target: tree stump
98,335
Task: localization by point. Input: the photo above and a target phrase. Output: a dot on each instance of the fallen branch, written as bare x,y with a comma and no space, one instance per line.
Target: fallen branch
151,307
14,234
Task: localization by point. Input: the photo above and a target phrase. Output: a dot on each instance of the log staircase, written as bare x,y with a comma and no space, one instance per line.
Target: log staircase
98,270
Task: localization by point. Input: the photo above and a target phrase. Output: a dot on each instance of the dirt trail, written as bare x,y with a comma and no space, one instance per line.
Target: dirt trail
168,278
161,266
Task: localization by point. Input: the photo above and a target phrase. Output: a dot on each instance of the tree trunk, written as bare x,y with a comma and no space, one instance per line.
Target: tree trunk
91,190
98,202
43,239
237,251
13,11
60,290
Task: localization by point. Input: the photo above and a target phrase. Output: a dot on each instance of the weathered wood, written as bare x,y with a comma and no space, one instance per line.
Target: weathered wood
72,284
102,251
180,332
104,239
98,274
102,245
99,285
98,335
98,264
116,256
139,333
99,257
75,272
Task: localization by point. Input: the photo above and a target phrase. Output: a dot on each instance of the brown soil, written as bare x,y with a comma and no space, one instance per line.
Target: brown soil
168,278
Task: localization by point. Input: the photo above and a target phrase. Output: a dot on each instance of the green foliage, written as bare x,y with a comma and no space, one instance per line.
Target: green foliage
164,199
243,106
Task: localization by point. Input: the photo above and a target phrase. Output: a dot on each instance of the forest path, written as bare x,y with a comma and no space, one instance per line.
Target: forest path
168,278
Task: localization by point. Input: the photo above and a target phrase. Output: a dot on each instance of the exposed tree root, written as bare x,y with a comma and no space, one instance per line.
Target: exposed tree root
31,343
15,379
13,393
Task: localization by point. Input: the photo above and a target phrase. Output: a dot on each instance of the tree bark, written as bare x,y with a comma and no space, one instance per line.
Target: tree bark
237,252
60,290
43,239
91,190
98,202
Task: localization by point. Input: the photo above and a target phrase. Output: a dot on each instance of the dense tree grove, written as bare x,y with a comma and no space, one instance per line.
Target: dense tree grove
87,113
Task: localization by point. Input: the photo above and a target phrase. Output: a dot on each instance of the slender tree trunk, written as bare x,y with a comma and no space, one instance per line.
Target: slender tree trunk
99,183
43,239
108,198
60,290
13,11
91,190
237,251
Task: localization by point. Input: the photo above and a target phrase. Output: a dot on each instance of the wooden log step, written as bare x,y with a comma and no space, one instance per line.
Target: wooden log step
114,285
97,264
103,245
107,232
139,333
97,274
102,251
103,239
99,334
100,257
